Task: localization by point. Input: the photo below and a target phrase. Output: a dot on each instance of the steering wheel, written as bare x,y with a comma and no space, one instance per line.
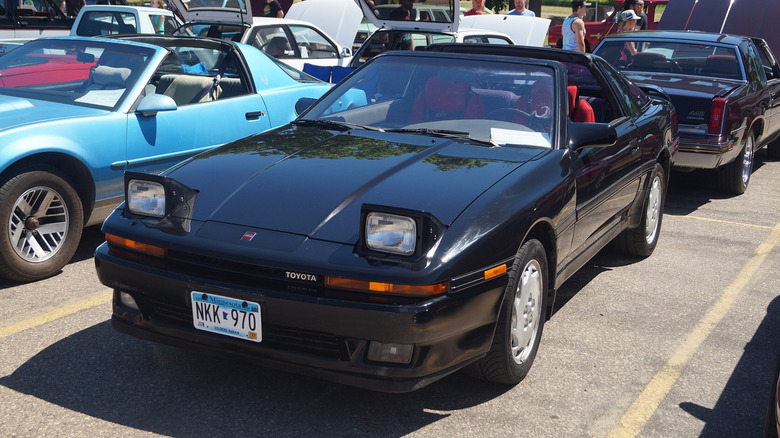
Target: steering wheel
675,66
511,111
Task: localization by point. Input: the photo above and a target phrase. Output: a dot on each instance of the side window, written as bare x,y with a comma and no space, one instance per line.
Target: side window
313,43
273,41
633,98
496,40
106,23
195,75
2,8
753,67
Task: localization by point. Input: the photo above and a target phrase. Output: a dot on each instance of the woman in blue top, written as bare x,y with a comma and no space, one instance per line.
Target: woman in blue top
574,28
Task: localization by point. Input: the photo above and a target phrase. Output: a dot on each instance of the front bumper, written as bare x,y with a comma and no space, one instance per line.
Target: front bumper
309,331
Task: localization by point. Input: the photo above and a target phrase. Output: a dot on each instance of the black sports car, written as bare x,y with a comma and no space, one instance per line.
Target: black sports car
424,229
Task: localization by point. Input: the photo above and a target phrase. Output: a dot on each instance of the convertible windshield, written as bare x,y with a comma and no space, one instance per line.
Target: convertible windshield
672,57
500,103
90,73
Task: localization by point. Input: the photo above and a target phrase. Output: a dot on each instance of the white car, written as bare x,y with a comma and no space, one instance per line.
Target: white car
294,42
438,23
99,20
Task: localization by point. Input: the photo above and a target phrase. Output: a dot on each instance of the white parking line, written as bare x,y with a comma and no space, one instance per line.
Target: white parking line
634,419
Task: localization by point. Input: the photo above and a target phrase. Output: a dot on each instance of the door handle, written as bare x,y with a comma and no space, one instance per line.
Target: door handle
254,115
634,144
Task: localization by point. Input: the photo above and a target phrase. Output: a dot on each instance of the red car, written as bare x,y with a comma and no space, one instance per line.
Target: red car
596,30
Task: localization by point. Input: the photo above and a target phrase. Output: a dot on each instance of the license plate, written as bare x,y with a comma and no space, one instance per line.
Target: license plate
226,316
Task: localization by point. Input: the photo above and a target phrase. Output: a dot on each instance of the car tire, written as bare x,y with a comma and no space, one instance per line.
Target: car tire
641,241
735,176
37,243
520,321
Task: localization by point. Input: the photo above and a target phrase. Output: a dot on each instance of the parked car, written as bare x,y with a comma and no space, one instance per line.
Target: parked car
423,229
294,42
23,21
417,35
597,29
101,20
726,90
77,112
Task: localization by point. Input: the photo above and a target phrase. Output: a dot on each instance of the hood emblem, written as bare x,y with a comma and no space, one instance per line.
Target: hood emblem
248,236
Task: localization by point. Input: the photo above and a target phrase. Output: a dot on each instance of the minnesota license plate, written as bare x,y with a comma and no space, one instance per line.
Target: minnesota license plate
226,316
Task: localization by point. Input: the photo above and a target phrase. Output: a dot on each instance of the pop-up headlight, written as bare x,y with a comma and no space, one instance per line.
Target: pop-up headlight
146,198
159,202
391,233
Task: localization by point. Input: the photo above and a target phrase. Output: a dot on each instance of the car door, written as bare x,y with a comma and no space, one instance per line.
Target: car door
156,142
772,73
607,178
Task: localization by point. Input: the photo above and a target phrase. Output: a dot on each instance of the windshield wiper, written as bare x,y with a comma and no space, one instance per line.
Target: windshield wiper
446,133
335,124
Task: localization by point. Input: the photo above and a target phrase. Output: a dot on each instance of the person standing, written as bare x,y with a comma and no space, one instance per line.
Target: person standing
638,7
521,10
158,21
273,9
574,28
478,8
403,12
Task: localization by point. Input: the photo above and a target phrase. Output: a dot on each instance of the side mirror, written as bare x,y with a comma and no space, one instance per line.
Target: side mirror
582,135
346,52
151,104
303,104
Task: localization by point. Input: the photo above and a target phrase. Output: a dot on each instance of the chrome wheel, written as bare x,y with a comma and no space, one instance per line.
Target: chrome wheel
747,160
653,213
38,224
527,312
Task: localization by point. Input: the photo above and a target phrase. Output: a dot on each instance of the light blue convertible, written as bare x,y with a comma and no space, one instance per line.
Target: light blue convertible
75,113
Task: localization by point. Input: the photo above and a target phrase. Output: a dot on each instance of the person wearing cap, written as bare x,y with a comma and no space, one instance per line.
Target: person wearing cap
574,27
638,7
628,20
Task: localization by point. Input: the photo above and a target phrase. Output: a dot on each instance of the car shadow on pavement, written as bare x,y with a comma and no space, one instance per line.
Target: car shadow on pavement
688,191
741,407
106,375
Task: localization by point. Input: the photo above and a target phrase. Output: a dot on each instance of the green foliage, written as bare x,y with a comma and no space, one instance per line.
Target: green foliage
499,5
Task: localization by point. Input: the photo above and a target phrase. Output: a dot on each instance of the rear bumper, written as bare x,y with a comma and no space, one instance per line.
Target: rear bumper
698,154
309,333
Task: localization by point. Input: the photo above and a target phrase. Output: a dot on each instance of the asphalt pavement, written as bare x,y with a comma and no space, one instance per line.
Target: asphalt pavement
682,343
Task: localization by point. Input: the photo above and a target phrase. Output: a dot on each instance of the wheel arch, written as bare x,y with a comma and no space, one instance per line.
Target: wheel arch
67,165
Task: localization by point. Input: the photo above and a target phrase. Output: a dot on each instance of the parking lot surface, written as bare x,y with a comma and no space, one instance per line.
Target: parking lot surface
682,343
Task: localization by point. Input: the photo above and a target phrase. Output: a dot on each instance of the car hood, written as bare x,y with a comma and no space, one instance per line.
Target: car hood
339,19
312,182
525,31
19,111
205,11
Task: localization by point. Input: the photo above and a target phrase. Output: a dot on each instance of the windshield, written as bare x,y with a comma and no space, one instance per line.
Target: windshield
503,102
89,73
690,58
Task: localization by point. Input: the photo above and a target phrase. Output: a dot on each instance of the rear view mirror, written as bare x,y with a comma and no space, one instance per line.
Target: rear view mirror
86,58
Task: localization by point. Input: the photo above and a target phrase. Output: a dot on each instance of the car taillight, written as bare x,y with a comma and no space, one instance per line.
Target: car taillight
717,114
